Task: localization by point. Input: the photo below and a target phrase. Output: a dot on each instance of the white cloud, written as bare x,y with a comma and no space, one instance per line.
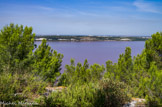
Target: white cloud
146,7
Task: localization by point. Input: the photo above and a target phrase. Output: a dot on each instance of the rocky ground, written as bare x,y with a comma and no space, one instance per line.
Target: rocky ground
136,102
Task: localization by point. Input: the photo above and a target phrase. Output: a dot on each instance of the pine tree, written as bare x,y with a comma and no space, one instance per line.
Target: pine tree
125,66
153,48
47,63
16,45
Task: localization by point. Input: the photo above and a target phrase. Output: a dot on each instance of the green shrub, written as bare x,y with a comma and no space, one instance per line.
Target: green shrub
81,73
18,87
106,93
9,86
111,93
73,96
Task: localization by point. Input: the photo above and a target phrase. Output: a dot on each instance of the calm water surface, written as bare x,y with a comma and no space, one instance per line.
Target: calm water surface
96,51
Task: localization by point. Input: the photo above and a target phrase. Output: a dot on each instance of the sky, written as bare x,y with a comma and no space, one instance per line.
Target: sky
84,17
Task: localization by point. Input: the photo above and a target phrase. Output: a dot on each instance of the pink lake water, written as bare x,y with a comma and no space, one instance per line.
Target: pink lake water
95,52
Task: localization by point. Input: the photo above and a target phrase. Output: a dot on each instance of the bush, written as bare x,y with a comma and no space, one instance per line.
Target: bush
73,96
18,87
106,93
111,93
9,86
81,73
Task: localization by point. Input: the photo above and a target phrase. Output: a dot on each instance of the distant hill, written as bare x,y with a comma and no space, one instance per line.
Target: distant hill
91,38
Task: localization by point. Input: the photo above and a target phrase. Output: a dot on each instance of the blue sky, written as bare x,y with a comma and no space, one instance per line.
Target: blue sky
85,17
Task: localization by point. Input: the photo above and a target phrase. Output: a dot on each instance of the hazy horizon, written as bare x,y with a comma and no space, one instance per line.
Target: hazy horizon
93,35
84,17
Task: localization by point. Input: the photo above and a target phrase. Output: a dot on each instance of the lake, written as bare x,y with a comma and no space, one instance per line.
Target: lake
95,51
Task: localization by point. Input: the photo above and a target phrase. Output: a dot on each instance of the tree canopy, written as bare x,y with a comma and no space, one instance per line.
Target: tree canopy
16,45
17,53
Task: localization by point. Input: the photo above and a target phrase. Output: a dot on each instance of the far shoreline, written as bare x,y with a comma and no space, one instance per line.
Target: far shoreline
90,38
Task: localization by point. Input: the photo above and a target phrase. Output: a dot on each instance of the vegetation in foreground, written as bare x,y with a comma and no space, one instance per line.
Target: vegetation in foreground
25,73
